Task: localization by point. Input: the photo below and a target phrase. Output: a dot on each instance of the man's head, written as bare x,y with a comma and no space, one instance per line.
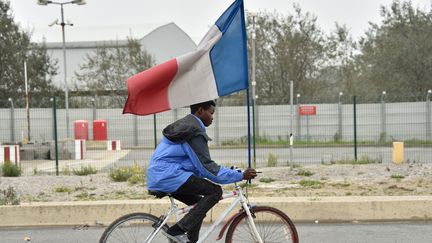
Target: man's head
204,111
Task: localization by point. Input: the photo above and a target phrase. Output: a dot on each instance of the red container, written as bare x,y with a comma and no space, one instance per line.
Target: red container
100,130
81,129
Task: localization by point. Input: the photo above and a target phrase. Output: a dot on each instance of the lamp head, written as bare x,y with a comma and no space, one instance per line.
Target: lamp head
10,99
79,2
53,23
430,91
298,95
43,2
384,93
340,93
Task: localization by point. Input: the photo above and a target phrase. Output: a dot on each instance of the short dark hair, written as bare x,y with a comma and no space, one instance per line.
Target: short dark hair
204,105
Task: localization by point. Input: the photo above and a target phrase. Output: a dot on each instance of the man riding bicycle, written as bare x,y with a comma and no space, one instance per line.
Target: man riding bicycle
181,165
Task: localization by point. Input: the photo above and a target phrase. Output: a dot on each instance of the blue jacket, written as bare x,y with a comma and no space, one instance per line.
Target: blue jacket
183,152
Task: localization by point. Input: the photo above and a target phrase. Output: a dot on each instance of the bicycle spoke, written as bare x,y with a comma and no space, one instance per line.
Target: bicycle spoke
272,225
133,228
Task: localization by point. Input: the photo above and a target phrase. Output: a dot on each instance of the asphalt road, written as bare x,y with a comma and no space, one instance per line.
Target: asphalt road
396,232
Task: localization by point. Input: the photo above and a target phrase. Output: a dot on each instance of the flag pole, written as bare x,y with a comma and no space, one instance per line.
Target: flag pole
248,127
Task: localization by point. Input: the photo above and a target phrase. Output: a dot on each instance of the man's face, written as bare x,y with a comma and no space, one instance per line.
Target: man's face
206,115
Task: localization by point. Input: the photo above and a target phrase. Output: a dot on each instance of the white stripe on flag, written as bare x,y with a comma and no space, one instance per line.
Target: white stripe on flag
194,81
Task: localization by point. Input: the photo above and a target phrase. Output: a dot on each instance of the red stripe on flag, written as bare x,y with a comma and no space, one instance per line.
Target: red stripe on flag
148,90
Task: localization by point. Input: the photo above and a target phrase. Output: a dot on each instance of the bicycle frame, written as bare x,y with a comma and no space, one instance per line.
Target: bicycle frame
239,199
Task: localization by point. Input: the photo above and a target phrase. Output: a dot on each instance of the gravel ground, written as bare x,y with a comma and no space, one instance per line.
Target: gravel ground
311,181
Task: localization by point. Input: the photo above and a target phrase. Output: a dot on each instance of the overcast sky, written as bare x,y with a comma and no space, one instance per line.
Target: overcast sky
117,19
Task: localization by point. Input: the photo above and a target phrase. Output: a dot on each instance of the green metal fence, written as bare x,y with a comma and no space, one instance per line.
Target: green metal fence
323,132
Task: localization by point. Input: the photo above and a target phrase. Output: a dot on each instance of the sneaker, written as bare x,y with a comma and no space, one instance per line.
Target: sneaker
181,238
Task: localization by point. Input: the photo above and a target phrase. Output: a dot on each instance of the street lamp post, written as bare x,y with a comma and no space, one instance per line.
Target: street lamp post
12,121
62,24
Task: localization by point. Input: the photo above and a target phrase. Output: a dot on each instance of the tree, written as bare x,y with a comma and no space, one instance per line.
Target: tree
396,55
15,48
340,71
287,48
108,68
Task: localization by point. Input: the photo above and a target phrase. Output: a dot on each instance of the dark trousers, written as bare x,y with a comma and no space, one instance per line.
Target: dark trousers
202,192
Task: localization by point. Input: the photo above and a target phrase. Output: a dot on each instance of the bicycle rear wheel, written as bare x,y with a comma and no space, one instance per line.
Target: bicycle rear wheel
272,224
133,228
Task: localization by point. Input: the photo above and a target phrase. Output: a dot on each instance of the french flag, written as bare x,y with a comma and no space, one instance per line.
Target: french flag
216,68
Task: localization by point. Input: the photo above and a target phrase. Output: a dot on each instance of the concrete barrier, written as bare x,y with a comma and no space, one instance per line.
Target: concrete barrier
299,209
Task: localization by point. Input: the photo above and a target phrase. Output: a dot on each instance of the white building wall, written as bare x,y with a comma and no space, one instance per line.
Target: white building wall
164,43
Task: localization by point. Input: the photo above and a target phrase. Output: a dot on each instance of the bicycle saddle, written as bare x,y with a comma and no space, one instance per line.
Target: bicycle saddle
159,194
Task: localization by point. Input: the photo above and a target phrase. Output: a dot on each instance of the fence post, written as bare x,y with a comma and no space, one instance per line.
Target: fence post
340,137
355,127
383,135
175,114
428,116
257,108
94,107
154,130
216,135
12,121
135,129
298,118
53,99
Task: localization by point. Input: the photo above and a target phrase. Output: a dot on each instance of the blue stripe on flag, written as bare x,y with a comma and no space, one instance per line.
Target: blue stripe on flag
229,55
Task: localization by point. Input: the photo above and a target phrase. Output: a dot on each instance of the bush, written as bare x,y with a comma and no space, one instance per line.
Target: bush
10,170
9,196
304,172
362,160
120,174
136,179
63,189
272,160
134,174
66,171
266,180
85,170
397,176
310,183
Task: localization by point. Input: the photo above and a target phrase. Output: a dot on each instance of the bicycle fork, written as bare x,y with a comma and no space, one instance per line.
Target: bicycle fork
251,223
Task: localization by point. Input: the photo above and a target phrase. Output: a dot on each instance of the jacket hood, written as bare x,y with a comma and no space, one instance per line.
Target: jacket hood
182,130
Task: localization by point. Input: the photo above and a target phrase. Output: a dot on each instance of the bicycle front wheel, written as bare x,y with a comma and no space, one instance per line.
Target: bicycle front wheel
133,228
272,225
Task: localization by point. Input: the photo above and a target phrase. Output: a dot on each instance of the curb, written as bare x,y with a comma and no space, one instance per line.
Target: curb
299,209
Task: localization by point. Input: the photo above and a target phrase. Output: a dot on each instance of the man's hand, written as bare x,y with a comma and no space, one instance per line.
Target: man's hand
249,174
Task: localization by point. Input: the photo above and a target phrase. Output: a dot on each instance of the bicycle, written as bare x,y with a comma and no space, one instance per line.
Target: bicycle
250,224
